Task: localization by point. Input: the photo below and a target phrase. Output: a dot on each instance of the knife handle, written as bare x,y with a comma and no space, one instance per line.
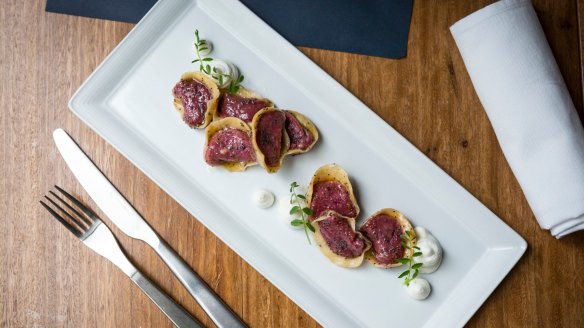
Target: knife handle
179,317
219,312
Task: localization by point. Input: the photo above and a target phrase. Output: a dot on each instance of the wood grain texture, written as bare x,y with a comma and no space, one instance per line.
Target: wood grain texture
48,280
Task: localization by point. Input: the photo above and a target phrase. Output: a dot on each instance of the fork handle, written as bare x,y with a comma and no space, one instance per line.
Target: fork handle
218,311
173,311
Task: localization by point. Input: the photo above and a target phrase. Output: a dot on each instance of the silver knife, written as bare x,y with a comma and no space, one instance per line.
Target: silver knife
125,217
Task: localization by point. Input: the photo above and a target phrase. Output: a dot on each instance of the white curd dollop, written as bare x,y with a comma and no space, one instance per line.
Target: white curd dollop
226,68
431,251
419,289
263,198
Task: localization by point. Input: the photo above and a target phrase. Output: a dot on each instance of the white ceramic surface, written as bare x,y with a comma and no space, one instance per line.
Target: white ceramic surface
128,102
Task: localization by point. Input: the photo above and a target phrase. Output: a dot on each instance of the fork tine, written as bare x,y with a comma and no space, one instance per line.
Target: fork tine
83,208
78,225
83,217
60,219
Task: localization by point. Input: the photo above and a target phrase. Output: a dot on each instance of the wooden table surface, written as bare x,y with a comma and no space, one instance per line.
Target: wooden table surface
48,280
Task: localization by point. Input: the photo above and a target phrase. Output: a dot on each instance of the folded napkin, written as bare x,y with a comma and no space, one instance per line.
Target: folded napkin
521,88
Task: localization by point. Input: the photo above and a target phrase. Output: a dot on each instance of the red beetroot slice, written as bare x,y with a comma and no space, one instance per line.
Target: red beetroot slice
240,107
194,96
269,136
331,195
340,237
229,145
300,137
384,233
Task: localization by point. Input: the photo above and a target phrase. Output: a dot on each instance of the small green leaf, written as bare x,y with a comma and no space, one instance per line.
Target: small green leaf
194,61
297,222
240,79
310,226
403,274
415,274
416,254
220,79
301,196
416,247
295,209
404,238
409,233
207,59
307,211
403,261
204,48
232,87
403,244
417,266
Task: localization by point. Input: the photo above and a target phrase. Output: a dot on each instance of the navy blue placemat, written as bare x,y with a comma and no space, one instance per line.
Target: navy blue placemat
369,27
130,11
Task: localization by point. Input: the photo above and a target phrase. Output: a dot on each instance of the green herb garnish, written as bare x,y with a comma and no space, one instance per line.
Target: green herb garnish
235,84
201,45
295,200
413,268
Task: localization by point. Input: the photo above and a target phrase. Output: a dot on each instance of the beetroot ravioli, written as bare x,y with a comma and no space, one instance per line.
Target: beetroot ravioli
301,131
384,229
338,241
228,144
330,189
270,139
243,104
195,98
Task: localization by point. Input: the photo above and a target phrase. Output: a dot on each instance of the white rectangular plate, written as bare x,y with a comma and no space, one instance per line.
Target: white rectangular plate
128,101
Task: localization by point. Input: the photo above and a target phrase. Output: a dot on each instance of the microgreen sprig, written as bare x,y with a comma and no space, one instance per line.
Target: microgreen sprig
234,85
205,67
201,45
413,270
295,200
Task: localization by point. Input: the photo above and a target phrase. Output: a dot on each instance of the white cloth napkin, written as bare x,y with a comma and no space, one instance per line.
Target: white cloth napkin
522,90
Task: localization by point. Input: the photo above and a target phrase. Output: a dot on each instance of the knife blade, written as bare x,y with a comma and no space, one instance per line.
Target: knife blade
103,193
125,217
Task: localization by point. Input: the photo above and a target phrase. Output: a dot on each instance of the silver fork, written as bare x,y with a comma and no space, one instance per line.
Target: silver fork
89,228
